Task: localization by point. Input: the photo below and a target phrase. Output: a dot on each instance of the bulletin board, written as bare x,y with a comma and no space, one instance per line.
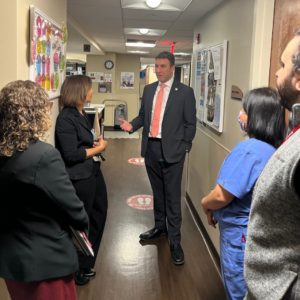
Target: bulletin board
210,83
47,55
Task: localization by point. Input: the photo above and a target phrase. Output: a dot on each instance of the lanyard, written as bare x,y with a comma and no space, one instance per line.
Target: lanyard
291,133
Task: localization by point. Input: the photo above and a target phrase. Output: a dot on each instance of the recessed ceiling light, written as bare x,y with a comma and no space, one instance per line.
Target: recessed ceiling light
153,3
143,31
140,45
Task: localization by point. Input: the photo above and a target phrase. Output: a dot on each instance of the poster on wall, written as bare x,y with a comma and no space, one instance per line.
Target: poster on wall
210,85
127,80
47,55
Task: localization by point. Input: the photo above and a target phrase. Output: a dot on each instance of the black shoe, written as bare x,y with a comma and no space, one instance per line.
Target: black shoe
80,278
89,272
177,255
152,234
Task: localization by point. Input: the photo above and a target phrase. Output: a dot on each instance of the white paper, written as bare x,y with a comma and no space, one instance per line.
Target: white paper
216,53
217,112
127,80
200,112
107,77
96,76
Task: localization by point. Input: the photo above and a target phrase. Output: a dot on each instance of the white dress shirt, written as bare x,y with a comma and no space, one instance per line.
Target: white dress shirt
167,90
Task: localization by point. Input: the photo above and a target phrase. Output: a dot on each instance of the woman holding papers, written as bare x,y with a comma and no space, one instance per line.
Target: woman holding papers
262,118
76,142
38,201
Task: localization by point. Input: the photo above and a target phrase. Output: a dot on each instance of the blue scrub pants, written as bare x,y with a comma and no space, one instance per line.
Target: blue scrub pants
232,251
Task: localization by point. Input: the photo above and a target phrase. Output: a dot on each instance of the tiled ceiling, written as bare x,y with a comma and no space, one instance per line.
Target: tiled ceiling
112,22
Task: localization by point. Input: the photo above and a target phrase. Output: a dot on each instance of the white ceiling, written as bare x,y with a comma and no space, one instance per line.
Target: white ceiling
112,22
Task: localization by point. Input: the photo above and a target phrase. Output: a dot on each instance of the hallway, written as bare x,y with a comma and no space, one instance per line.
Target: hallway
130,270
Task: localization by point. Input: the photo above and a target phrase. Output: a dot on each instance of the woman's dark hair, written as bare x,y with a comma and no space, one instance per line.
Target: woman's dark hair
266,117
74,90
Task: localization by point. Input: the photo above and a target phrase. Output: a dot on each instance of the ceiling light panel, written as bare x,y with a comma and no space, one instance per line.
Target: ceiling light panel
152,32
144,37
153,3
139,45
143,31
168,5
138,52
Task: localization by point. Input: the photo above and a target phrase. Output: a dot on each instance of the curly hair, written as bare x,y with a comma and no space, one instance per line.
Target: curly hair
24,115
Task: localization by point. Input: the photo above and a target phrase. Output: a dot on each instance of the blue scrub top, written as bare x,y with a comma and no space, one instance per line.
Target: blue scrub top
238,175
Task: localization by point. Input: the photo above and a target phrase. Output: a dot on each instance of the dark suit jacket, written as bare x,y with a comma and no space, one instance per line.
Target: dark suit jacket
38,203
179,122
72,136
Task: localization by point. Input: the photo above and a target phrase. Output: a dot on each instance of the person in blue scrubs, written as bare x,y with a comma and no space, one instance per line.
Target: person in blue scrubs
263,119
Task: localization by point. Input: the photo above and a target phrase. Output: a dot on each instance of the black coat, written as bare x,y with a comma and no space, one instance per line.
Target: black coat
38,203
72,136
179,122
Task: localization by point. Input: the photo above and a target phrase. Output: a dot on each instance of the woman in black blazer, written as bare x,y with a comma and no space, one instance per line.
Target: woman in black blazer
38,201
76,143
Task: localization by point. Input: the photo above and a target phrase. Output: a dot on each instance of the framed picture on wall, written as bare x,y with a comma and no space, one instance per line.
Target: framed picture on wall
210,85
47,55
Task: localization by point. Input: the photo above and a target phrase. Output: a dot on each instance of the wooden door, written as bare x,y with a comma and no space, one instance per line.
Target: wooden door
286,22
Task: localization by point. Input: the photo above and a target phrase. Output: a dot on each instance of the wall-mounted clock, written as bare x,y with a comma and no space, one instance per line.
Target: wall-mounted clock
108,64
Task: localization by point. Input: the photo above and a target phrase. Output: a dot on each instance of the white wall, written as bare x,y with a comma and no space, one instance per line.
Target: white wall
243,23
122,63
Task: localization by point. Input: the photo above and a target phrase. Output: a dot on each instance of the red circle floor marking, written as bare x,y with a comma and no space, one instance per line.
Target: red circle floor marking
141,202
137,161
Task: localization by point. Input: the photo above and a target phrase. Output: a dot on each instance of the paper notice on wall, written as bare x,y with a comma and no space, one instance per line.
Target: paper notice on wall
96,76
217,112
216,53
107,77
200,112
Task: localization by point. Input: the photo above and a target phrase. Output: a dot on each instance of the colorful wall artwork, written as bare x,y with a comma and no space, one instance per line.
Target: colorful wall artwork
47,58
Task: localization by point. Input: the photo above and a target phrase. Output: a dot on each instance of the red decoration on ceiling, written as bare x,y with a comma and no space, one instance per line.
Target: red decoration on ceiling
172,48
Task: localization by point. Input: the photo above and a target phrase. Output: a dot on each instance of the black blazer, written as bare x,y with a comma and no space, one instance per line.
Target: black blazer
38,203
179,122
72,136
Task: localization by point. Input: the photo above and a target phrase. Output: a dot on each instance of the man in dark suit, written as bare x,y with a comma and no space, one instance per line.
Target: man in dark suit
168,115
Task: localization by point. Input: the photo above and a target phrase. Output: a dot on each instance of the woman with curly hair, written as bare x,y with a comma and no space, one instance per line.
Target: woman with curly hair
38,201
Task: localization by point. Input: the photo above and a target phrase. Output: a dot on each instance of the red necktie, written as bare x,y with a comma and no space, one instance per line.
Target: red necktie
157,111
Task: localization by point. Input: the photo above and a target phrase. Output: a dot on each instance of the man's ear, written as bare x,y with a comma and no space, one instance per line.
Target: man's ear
297,79
173,68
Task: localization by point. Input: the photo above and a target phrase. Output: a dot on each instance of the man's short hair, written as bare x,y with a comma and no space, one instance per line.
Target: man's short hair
168,55
296,56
